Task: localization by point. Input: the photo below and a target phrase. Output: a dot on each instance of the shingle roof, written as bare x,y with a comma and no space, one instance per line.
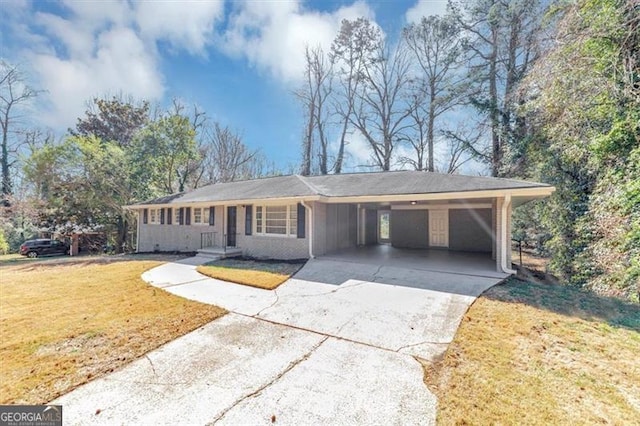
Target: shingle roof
344,185
408,182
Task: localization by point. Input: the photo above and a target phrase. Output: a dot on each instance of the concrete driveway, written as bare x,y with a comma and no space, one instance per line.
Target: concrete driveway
335,344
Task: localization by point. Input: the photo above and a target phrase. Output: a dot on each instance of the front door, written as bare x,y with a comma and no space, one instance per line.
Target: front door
231,226
384,226
439,228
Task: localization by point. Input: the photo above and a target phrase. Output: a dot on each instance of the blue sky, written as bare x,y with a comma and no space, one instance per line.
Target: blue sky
239,61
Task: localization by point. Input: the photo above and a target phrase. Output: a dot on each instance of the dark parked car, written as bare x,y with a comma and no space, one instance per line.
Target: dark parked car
43,247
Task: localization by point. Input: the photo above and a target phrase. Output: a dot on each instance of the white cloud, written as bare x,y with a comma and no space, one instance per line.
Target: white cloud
119,62
358,152
75,40
189,26
99,14
103,48
272,35
425,8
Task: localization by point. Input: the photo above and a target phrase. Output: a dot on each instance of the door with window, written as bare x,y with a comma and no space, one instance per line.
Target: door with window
439,228
384,226
231,226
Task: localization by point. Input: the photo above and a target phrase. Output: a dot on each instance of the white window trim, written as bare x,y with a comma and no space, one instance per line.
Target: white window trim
193,216
175,220
204,215
156,213
254,220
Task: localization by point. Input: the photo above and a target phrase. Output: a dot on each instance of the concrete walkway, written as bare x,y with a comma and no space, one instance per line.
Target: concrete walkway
316,350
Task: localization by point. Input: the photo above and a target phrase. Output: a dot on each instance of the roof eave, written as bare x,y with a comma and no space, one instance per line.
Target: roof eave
297,198
535,192
532,192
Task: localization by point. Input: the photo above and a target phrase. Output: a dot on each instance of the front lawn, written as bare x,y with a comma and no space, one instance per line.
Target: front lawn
535,353
261,274
65,323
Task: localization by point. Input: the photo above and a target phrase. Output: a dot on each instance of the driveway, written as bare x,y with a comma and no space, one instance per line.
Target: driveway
335,344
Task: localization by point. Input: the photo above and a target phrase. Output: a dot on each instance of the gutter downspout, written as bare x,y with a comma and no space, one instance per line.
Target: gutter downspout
506,245
138,231
306,206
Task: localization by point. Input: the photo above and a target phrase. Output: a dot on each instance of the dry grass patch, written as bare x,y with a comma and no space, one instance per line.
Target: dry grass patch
530,260
63,324
529,353
261,274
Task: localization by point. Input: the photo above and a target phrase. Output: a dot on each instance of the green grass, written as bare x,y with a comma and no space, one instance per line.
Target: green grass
10,259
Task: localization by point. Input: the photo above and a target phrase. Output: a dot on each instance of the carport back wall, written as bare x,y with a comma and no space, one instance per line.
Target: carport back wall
371,227
410,228
470,230
341,226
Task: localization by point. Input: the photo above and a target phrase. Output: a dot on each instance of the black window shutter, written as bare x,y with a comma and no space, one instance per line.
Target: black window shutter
161,216
145,216
301,220
181,214
169,215
187,219
248,219
212,216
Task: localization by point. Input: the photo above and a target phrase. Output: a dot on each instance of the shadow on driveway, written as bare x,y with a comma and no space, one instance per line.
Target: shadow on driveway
466,274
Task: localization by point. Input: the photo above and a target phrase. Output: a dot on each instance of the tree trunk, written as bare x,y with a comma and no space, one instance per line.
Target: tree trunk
493,99
308,142
343,135
430,123
123,226
6,177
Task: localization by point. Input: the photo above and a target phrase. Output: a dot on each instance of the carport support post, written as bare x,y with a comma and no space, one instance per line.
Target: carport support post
504,246
308,208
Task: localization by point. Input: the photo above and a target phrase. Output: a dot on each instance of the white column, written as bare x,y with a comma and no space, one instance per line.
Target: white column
498,233
505,235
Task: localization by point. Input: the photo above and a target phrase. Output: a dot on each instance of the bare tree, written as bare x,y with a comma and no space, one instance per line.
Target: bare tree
353,49
227,158
13,93
308,97
191,171
314,96
382,108
437,47
456,158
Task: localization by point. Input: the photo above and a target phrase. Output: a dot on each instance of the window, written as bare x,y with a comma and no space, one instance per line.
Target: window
197,216
154,216
201,215
277,220
293,220
259,220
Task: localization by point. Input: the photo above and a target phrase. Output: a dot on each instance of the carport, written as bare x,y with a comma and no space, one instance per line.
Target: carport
431,235
418,210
